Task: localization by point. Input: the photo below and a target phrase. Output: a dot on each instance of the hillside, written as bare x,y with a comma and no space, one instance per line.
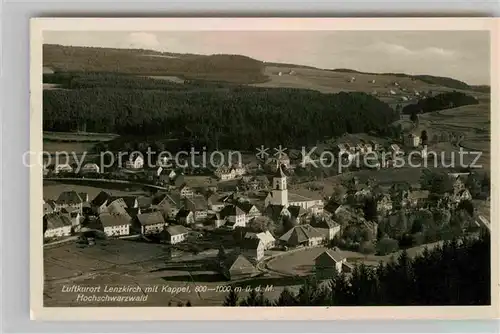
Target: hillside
389,87
230,68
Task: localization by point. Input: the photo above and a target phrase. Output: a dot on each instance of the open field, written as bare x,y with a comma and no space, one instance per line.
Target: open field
302,262
51,189
472,121
77,142
116,263
78,136
333,82
51,146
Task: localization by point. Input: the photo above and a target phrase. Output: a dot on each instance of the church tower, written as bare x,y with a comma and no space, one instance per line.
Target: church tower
280,192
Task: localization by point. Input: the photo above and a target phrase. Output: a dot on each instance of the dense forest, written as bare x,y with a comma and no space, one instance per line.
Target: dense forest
440,102
456,273
209,114
230,68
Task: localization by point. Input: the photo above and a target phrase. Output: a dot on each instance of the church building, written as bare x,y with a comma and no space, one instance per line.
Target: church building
279,195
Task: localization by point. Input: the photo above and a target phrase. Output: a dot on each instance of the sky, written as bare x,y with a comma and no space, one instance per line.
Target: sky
462,55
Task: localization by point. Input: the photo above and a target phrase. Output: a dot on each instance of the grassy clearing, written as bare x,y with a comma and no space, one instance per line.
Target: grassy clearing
51,190
77,147
302,262
333,82
78,136
472,121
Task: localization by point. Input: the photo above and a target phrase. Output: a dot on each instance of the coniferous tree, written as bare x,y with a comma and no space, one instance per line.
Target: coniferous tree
252,299
232,298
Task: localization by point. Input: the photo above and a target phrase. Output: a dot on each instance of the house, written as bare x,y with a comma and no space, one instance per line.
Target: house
56,225
276,212
167,176
302,235
412,140
360,148
75,217
459,183
215,202
234,216
135,161
384,203
49,206
236,266
163,161
63,168
395,149
415,198
84,196
249,209
462,195
326,226
186,191
225,173
153,173
117,205
185,217
266,238
114,224
144,202
151,222
297,213
198,205
252,248
69,199
328,263
216,220
134,212
239,170
99,203
168,204
89,168
130,201
175,234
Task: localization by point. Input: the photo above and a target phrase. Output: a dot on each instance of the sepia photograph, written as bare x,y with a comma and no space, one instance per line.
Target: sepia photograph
266,168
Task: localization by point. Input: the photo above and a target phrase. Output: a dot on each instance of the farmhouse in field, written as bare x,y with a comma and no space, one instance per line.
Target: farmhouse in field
252,248
236,266
302,235
234,216
175,234
114,224
90,168
330,262
63,168
135,161
56,225
70,199
266,238
151,222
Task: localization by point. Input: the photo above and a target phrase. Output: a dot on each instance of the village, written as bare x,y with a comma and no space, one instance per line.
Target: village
245,217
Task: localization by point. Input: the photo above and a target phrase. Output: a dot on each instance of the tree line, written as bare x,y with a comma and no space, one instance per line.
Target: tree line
440,102
454,273
232,117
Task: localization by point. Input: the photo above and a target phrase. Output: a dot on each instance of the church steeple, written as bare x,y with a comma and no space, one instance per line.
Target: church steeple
280,192
279,172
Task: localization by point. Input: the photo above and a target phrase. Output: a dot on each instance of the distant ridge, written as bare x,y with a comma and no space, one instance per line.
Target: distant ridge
430,79
218,67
